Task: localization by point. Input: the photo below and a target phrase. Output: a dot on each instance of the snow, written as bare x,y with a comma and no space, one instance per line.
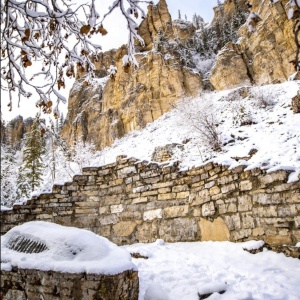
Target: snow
4,208
273,132
155,292
70,250
182,270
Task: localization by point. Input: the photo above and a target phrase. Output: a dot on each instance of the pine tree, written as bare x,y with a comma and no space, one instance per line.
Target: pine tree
9,171
179,14
32,168
61,122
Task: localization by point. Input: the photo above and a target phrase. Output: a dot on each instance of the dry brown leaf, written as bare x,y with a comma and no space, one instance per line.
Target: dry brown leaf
102,30
85,29
27,32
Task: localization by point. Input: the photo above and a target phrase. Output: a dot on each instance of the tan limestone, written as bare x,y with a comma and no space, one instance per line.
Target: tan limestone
214,231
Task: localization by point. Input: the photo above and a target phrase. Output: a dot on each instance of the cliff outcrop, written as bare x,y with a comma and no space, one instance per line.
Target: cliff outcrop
115,105
15,130
259,57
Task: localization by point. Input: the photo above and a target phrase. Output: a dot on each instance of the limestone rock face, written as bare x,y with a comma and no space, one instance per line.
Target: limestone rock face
183,29
230,69
158,17
261,57
115,106
17,128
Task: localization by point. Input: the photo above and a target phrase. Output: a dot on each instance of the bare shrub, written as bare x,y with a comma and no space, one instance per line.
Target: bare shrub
263,98
200,116
241,115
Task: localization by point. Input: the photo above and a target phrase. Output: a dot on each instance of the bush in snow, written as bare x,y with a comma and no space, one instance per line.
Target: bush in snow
201,118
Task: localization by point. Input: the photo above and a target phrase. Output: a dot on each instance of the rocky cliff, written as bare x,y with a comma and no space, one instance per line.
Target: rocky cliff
133,97
15,130
259,57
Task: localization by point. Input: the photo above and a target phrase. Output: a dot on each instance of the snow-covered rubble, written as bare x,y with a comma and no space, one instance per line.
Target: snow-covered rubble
66,249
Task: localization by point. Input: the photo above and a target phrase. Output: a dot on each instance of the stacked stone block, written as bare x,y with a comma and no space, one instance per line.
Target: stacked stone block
34,284
138,201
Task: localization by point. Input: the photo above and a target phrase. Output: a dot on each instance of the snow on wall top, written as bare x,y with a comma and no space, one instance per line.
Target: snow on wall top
63,249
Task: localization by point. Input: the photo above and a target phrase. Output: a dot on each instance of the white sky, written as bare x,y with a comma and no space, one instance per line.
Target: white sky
117,35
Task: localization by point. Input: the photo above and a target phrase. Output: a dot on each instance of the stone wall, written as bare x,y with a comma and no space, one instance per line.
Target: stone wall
25,284
132,201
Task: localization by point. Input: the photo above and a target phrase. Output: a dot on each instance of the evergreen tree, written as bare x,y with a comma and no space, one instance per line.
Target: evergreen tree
61,122
9,173
31,171
179,14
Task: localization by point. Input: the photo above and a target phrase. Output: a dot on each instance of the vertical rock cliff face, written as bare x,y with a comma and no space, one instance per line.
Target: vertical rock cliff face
114,106
15,130
260,57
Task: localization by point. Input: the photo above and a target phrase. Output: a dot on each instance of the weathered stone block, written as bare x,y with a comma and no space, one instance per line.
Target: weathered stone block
178,229
147,232
182,195
140,200
258,231
124,228
168,196
199,197
153,214
244,203
209,184
214,231
241,234
246,185
110,219
176,211
85,210
233,222
278,239
214,190
287,211
268,211
247,220
228,188
208,209
266,199
116,208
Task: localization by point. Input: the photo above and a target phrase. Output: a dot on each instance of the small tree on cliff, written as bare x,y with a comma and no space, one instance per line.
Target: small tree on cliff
31,171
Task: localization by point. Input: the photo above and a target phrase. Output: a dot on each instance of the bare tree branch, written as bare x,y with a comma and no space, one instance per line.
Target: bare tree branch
51,35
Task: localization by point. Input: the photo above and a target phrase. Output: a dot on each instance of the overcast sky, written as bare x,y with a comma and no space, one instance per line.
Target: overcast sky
117,35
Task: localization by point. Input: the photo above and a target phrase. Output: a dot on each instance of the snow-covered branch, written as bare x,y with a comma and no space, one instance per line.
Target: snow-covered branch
55,38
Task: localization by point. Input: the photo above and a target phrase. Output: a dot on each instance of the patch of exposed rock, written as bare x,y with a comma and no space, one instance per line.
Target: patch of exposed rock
132,98
261,57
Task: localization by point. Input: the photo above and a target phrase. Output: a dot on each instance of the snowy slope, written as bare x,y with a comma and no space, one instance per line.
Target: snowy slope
273,130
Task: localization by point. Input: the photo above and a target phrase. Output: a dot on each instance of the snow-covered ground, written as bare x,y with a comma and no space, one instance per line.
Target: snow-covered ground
272,130
166,271
182,270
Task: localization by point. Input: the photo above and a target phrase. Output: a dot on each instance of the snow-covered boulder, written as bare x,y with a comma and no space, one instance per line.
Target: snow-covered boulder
70,255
